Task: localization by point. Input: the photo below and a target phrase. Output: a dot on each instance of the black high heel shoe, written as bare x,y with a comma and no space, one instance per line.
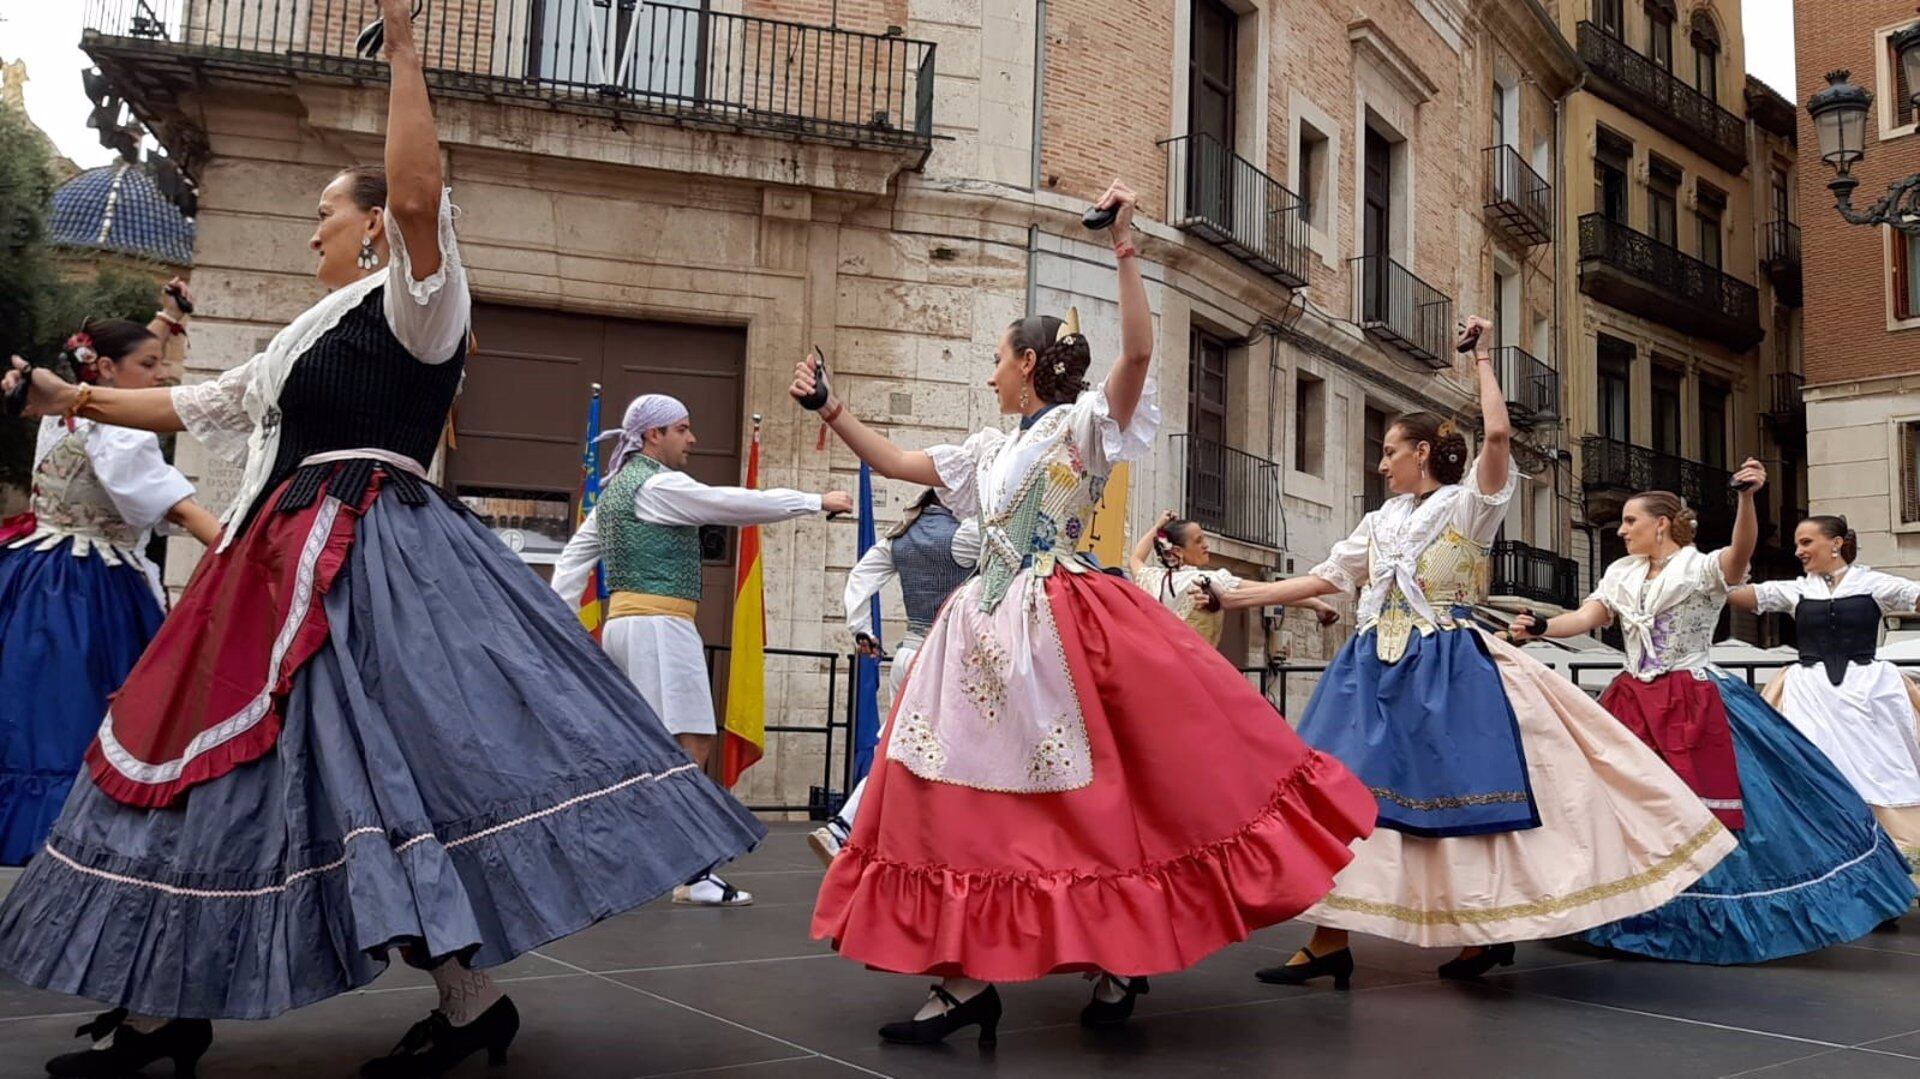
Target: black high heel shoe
1106,1013
434,1044
1471,968
183,1041
982,1008
1338,964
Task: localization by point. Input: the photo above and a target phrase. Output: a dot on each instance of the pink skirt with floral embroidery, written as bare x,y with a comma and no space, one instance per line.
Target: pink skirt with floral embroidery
1206,818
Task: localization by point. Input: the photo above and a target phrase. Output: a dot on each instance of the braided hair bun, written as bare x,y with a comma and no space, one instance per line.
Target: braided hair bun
1061,359
1446,446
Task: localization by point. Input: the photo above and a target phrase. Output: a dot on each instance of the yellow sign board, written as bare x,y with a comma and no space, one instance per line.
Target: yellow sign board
1107,538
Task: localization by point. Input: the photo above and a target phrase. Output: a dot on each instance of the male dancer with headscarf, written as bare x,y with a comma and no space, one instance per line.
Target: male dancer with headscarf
646,531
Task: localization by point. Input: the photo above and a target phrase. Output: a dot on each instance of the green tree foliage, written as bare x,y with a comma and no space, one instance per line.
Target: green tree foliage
39,307
26,190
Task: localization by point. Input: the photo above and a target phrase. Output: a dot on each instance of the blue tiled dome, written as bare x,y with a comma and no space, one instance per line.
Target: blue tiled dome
117,208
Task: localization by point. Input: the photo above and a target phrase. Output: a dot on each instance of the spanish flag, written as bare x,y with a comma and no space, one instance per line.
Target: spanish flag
746,725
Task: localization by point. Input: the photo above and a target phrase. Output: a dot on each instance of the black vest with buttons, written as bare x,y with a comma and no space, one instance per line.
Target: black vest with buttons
358,387
1836,632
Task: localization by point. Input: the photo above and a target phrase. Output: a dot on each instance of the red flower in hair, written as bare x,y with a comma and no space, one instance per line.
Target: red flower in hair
79,341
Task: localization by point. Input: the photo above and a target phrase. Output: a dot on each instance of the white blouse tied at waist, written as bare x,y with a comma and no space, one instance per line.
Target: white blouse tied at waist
1385,549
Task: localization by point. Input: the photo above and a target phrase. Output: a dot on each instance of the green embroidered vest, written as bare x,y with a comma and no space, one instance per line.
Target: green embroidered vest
658,560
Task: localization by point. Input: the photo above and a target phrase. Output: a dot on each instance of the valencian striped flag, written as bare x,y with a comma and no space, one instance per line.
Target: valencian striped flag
593,599
746,724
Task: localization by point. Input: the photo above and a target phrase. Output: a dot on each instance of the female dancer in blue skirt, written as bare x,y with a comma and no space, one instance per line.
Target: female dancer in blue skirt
78,599
366,725
1512,808
1813,868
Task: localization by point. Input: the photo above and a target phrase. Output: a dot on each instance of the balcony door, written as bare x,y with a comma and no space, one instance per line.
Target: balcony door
655,49
1615,420
1376,226
1611,159
1211,104
1663,202
1713,424
1207,428
1611,15
1660,33
1666,410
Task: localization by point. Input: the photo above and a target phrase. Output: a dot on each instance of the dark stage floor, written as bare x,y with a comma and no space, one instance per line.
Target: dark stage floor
743,993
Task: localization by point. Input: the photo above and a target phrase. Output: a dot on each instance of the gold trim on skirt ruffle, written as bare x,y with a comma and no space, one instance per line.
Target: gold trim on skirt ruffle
1538,908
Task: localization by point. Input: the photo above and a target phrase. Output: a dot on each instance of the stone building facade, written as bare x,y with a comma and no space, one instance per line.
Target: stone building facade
1863,300
1681,321
688,199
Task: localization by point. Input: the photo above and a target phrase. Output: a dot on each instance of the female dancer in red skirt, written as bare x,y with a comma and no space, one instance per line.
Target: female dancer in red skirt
1035,811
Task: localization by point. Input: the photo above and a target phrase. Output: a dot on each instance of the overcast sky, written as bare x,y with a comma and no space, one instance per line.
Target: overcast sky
46,34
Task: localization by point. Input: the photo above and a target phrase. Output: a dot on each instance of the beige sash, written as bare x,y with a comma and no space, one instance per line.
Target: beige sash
634,604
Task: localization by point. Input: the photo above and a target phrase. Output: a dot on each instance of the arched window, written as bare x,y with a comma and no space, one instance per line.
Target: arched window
1706,55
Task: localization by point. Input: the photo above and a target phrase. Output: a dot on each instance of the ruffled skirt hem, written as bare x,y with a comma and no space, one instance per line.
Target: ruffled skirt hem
243,946
1006,926
1719,928
1619,834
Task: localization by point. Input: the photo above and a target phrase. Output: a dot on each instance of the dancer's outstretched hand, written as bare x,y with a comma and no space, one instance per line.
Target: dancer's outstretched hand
1479,331
1751,477
1122,199
47,394
1525,627
176,300
1325,612
810,389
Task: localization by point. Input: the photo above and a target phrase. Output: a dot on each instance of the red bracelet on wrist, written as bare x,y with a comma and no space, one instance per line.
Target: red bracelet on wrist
1125,250
831,412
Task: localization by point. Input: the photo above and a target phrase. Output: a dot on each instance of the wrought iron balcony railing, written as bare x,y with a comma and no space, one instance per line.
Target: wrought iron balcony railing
1609,467
1229,492
1402,311
1783,259
1534,573
1533,388
1519,202
1224,199
675,60
1786,416
1657,96
1640,275
1789,397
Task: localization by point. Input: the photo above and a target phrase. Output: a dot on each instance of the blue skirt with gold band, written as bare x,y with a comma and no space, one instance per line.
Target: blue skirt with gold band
1432,734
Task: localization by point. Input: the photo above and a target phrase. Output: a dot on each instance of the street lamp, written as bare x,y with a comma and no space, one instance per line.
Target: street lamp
1839,115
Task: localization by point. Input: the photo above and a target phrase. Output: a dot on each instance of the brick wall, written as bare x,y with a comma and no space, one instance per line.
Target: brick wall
1109,98
1111,95
1846,335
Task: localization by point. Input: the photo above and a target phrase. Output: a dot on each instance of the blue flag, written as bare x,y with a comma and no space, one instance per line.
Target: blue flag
592,602
866,688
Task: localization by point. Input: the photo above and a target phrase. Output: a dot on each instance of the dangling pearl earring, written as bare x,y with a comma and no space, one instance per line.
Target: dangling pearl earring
369,259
